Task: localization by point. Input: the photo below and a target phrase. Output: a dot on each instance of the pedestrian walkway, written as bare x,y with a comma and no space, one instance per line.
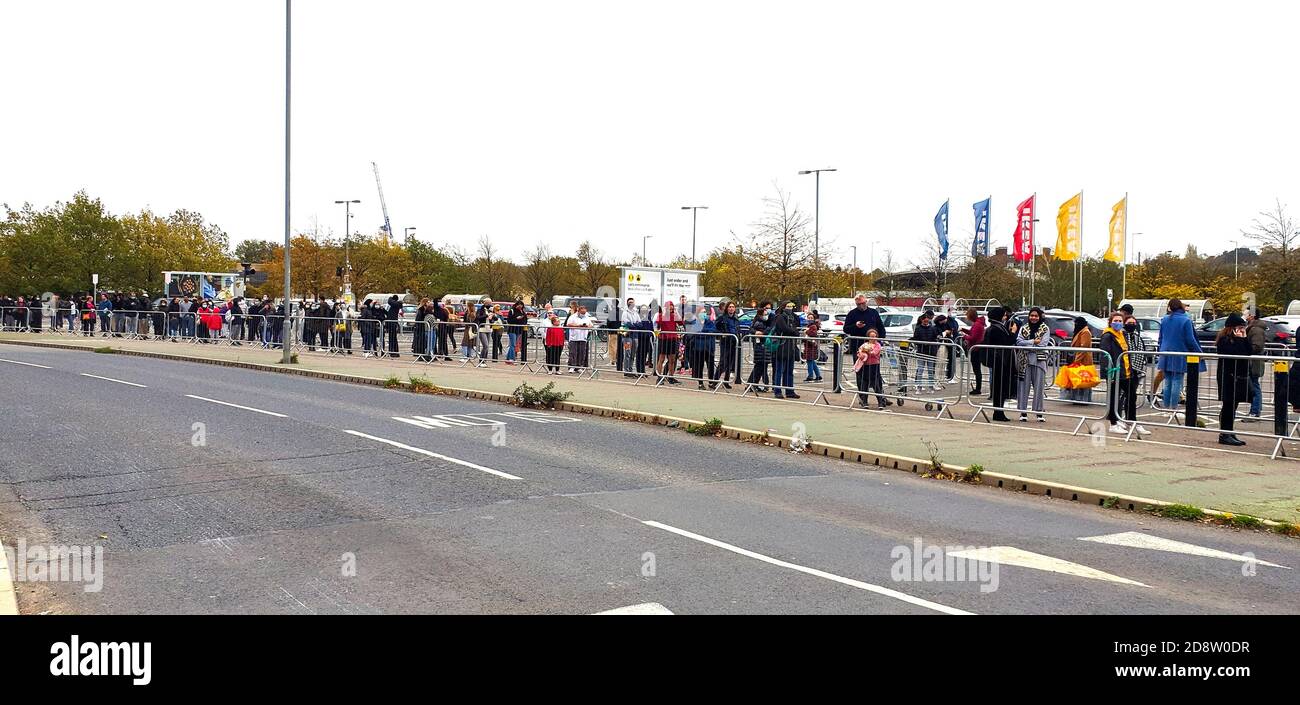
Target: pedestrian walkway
1162,468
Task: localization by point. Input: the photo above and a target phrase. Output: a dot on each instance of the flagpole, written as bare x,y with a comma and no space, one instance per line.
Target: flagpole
1033,248
1078,258
1123,289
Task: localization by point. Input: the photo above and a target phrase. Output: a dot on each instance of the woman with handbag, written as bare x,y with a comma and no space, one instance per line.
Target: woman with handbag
1083,340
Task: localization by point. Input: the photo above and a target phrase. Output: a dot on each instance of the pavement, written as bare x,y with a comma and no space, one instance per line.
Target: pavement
224,490
1173,465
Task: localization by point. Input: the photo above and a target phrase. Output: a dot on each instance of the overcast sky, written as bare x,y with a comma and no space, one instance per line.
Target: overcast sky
549,121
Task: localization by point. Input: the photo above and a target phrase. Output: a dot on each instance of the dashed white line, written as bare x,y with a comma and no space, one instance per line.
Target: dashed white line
237,406
811,571
432,454
110,379
25,364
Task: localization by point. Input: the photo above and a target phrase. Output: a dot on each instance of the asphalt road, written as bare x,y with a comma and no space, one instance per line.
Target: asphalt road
544,513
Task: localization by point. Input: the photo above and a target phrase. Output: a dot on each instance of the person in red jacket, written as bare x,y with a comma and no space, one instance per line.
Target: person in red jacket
669,321
970,339
554,342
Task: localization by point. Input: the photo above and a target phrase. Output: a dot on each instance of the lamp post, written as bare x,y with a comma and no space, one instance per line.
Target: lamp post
288,103
644,263
347,249
817,221
695,213
1236,250
407,232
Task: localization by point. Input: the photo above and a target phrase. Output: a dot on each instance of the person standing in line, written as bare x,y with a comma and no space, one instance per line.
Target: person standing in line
973,337
812,347
88,317
867,368
497,321
728,326
1233,374
668,322
1083,340
1032,362
517,334
1257,334
105,310
758,379
483,324
579,326
646,341
393,325
702,348
1000,360
1124,373
553,340
422,333
1177,336
859,321
924,337
786,328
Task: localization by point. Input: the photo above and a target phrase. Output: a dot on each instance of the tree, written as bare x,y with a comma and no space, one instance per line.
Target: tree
595,271
542,273
490,274
780,244
1279,265
254,251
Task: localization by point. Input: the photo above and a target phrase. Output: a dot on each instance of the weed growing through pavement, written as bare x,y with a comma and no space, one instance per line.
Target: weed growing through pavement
712,427
544,398
392,382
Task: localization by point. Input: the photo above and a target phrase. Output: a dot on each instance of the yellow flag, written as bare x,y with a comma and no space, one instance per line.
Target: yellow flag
1118,228
1068,220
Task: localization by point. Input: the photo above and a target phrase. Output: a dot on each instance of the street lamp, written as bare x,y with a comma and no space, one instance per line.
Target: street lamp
1236,249
695,213
817,220
286,357
347,254
407,232
643,259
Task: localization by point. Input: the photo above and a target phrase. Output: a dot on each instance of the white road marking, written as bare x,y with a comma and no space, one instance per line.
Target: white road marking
237,406
110,379
432,454
1009,555
645,608
811,571
1137,539
413,422
26,364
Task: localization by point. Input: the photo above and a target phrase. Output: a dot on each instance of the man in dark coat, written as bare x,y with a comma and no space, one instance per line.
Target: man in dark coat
1001,360
394,312
857,322
786,328
1232,375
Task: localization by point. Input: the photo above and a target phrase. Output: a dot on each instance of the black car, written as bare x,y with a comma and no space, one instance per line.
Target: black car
1062,327
1276,332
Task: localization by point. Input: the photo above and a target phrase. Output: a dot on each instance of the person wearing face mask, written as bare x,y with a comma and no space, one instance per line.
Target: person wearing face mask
1133,336
1082,340
924,338
1032,363
1232,375
971,338
728,325
1123,373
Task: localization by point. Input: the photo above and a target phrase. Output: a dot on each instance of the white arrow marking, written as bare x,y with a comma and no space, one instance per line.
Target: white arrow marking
1009,555
1137,539
646,608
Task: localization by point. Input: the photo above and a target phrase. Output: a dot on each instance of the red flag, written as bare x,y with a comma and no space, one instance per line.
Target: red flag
1025,231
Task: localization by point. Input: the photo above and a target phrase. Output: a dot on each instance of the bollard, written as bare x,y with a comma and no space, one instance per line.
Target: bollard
1280,401
1193,387
837,367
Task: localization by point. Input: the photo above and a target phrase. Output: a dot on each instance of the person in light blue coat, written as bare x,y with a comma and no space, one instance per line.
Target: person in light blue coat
1177,335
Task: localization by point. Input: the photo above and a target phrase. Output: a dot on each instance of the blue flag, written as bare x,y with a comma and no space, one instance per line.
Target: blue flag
981,246
941,229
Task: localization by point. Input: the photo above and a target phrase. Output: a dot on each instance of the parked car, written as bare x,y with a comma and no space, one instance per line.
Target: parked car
1062,326
1150,330
536,323
746,319
899,325
1095,324
1278,330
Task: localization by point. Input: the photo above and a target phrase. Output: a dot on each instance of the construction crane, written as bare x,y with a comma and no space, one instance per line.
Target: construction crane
388,226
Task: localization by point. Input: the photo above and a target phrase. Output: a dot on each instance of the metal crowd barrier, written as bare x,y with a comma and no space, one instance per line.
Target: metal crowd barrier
916,372
994,357
1280,365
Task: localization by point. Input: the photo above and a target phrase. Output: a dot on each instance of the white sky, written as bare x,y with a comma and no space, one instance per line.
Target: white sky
555,121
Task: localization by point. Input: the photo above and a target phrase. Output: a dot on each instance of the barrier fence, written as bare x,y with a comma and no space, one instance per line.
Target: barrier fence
935,376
